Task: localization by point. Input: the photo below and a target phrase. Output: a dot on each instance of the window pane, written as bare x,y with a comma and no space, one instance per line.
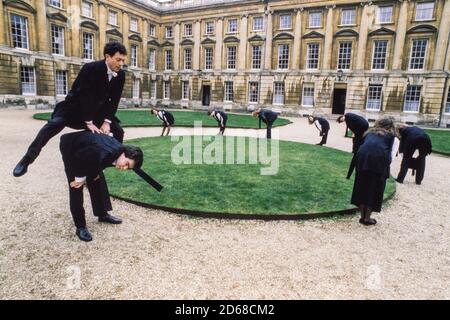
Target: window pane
208,58
231,58
424,10
308,96
61,82
312,60
348,16
57,39
28,80
379,55
254,92
256,57
412,99
345,55
229,91
374,94
278,96
315,19
187,59
385,14
19,31
88,46
418,52
283,56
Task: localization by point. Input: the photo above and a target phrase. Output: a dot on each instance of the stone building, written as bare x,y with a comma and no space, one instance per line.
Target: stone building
379,57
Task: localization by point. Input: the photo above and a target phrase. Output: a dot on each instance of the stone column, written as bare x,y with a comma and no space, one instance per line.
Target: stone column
219,45
297,39
400,36
144,59
197,39
102,24
126,30
328,47
42,29
363,34
268,48
176,47
243,34
443,38
75,36
2,25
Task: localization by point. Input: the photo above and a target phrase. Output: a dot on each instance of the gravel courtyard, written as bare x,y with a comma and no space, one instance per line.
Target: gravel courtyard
158,255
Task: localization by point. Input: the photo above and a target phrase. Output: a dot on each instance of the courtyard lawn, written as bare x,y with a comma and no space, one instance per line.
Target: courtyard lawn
440,140
143,118
310,179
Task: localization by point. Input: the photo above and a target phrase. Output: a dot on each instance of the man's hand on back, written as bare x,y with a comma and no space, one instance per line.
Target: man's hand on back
93,127
105,128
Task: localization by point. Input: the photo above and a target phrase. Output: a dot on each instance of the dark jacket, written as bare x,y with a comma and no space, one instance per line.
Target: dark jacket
374,154
413,138
87,154
356,123
323,123
92,97
267,116
222,120
166,117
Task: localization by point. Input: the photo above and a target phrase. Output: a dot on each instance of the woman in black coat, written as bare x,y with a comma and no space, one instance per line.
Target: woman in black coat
372,163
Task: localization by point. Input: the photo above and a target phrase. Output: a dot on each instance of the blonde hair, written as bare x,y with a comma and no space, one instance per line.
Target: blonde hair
383,126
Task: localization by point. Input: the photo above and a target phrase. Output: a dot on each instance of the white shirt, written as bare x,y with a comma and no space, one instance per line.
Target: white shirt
111,74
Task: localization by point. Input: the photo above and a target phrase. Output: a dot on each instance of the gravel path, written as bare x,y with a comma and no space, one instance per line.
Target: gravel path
157,255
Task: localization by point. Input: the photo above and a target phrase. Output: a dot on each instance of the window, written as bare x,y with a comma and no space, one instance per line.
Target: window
19,29
55,3
315,19
308,96
188,30
209,27
134,24
348,16
418,52
88,46
374,94
112,18
379,55
168,60
283,56
169,32
278,95
187,59
312,57
424,10
136,86
61,83
231,58
152,30
229,91
412,99
286,22
57,40
28,81
447,107
166,90
254,92
384,14
345,55
134,56
232,26
258,24
185,90
256,57
86,9
208,58
152,89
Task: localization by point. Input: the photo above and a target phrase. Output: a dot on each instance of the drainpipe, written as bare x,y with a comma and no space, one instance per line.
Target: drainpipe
446,83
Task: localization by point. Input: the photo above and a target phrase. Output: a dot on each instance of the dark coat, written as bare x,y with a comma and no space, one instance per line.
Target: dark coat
323,123
374,154
413,138
357,124
223,115
267,116
87,154
92,97
166,117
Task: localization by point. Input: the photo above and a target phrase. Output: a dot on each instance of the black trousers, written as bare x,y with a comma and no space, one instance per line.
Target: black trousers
269,130
98,191
420,168
324,135
55,126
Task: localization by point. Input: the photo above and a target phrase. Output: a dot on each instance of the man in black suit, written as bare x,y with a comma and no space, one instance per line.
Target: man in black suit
411,139
221,118
322,125
91,103
85,155
358,125
166,117
268,117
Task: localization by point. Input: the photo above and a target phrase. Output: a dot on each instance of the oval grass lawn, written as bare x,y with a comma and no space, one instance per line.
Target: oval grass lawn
143,118
309,179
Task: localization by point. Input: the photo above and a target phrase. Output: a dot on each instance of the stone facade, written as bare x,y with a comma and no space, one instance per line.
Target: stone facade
297,57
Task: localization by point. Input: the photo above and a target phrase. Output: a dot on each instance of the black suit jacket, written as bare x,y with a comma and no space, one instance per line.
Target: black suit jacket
413,138
356,123
267,116
92,97
87,154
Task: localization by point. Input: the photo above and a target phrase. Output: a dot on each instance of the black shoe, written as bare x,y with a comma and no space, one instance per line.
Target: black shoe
369,222
83,234
110,219
398,181
22,166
